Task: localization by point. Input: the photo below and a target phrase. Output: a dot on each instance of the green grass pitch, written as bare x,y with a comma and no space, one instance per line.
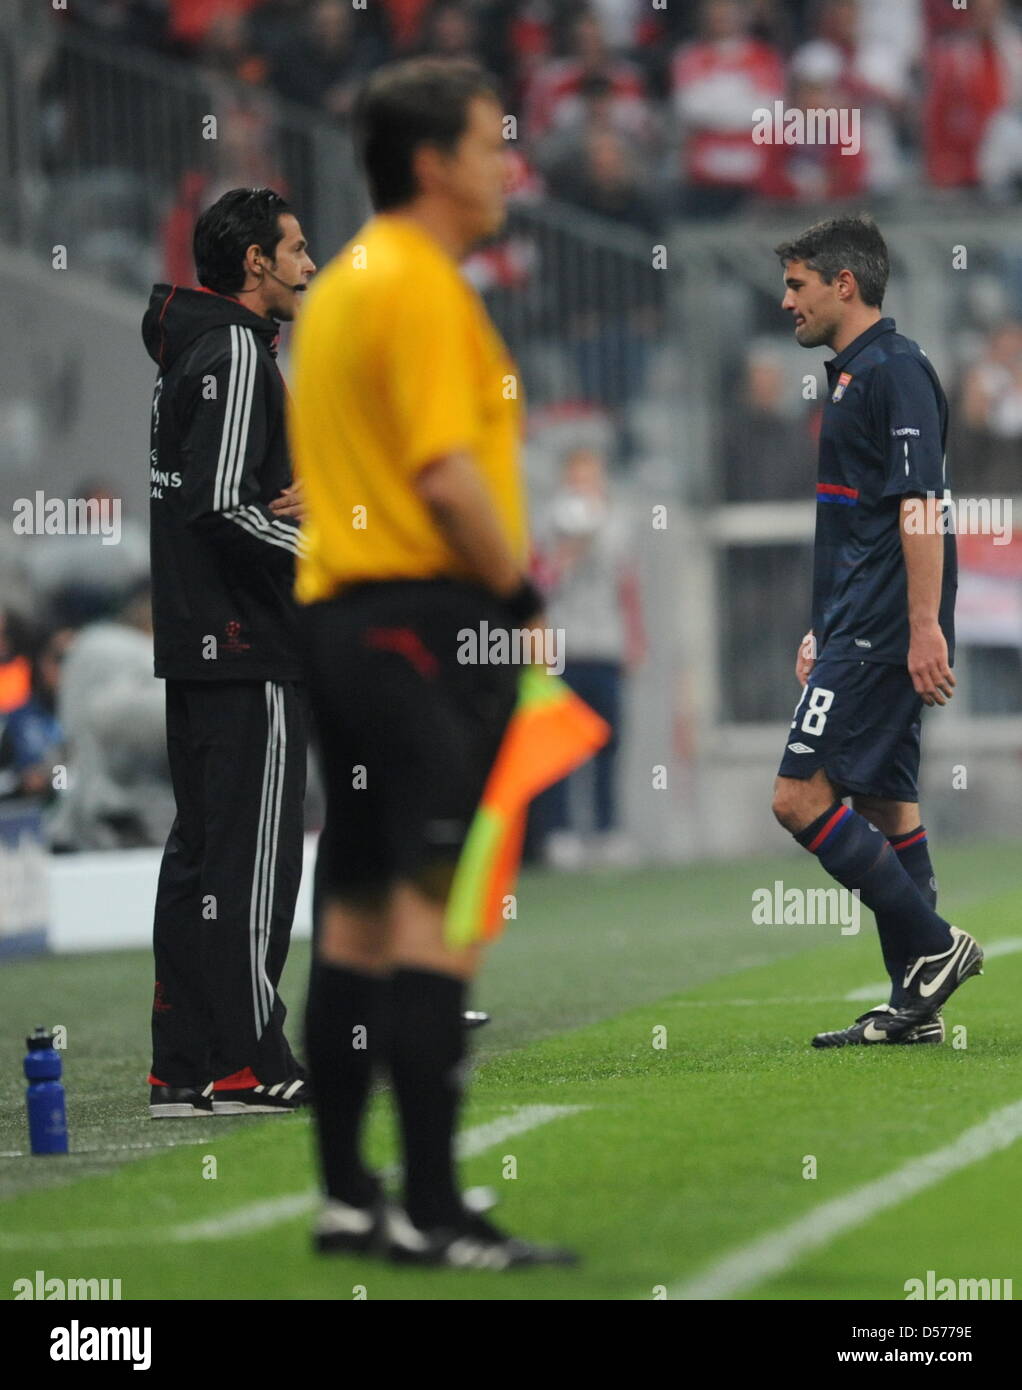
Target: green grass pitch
646,1095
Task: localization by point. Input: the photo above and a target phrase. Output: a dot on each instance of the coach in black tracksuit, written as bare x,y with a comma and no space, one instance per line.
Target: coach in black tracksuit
224,536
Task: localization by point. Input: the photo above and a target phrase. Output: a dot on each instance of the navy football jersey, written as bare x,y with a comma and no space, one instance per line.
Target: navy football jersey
883,437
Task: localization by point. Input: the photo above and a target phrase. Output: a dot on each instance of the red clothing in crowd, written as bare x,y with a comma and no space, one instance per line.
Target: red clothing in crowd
813,173
971,79
190,20
717,87
942,18
556,86
405,21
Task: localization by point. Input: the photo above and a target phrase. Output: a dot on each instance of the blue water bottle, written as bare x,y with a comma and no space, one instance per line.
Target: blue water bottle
44,1095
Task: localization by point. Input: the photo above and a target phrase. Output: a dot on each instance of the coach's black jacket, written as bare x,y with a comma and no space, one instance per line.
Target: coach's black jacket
223,564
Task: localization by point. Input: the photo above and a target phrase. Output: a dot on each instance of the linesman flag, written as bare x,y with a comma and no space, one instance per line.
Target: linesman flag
550,733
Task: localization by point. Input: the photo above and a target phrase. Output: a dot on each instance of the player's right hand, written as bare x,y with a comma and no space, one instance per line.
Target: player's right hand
928,664
806,659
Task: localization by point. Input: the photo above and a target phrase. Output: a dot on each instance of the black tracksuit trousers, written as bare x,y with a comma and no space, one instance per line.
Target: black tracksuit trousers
228,880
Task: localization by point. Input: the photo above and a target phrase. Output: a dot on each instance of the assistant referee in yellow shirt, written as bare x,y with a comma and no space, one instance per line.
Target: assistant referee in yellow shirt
406,426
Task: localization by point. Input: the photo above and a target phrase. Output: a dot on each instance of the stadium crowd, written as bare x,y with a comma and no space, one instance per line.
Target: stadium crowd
665,90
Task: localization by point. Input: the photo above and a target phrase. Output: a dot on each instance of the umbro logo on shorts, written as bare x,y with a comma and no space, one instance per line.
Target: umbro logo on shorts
800,748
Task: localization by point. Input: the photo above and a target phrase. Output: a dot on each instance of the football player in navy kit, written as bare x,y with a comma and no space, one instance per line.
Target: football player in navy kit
881,644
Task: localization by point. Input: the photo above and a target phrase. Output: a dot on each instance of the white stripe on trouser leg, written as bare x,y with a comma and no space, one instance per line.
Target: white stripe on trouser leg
267,851
271,860
257,899
254,895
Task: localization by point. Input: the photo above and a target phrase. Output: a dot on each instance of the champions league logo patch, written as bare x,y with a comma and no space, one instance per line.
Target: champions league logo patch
842,385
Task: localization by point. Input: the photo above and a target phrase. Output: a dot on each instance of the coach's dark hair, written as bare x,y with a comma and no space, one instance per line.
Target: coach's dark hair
242,218
844,243
422,101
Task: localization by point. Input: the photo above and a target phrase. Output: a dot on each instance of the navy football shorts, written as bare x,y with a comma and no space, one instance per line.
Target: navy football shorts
860,722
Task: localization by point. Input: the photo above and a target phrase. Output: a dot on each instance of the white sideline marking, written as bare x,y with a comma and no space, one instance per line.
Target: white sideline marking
751,1003
260,1216
108,1148
1008,946
773,1253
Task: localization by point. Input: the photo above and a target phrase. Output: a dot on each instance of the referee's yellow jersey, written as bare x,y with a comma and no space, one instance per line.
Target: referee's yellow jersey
395,363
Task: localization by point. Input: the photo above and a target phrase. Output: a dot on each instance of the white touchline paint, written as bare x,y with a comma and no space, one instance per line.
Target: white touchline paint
777,1251
109,1149
260,1216
1009,946
783,1000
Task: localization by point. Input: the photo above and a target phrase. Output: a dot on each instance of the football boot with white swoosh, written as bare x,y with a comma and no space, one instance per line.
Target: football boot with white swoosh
931,980
874,1027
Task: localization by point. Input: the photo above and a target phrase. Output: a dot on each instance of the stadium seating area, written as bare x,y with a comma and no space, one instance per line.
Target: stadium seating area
640,112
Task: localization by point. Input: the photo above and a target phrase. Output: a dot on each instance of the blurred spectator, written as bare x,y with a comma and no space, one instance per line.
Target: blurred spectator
1000,155
717,82
227,50
611,317
192,20
595,108
560,89
244,155
405,23
871,77
768,453
32,740
273,24
974,74
451,31
85,575
594,597
893,36
142,22
991,412
604,177
325,58
516,37
941,18
811,172
112,712
15,662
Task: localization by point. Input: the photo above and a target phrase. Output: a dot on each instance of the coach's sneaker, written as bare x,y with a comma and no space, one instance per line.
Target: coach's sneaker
179,1102
931,980
470,1243
875,1027
282,1098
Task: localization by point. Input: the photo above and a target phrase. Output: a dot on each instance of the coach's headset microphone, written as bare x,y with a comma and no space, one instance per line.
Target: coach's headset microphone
295,289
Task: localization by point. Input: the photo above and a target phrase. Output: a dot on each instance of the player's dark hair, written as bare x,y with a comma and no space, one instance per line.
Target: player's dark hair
242,218
422,101
844,243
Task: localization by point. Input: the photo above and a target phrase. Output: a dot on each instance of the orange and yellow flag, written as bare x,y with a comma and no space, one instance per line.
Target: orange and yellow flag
550,733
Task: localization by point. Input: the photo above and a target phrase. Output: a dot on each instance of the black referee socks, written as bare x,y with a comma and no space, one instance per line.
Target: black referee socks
344,1020
859,857
426,1047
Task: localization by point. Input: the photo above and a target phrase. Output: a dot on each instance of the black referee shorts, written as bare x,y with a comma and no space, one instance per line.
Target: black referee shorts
407,734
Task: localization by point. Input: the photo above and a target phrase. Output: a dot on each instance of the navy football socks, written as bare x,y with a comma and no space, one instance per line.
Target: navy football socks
860,858
914,856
